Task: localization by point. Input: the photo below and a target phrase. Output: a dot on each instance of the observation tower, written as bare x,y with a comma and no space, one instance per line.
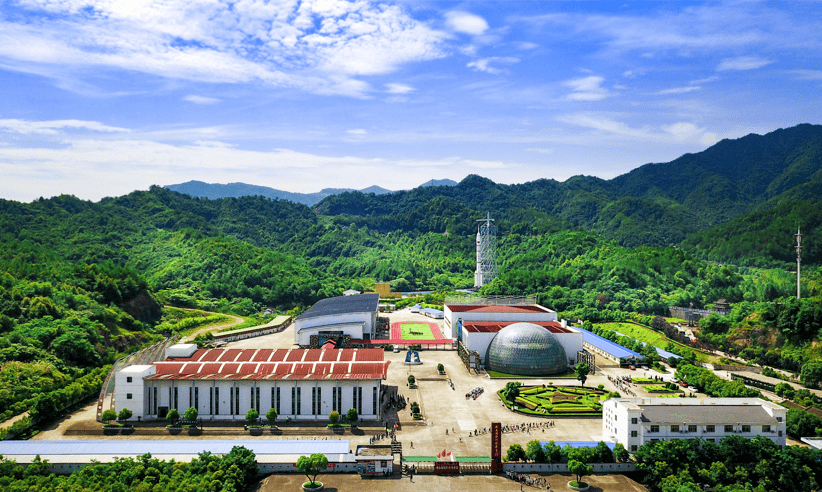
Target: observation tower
486,252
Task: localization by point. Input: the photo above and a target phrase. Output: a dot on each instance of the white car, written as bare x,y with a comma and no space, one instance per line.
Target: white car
396,349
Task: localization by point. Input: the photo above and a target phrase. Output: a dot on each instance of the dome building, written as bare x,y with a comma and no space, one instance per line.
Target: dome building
526,349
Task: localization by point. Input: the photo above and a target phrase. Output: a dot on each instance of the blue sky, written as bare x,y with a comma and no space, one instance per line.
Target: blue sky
102,97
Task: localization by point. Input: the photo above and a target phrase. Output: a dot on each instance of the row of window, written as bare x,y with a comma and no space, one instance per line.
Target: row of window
728,428
234,399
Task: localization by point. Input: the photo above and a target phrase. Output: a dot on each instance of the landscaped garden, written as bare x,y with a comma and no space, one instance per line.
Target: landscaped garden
555,400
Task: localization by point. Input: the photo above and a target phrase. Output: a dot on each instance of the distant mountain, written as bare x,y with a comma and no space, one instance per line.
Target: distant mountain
439,182
214,191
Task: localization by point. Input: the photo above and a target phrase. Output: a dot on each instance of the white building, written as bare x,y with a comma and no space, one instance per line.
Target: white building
478,335
635,421
531,313
226,383
355,316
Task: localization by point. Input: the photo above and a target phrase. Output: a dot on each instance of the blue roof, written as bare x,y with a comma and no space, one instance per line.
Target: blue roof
158,447
432,311
580,444
334,306
608,346
662,353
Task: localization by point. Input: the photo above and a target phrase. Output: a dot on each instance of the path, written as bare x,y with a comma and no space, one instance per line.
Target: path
235,320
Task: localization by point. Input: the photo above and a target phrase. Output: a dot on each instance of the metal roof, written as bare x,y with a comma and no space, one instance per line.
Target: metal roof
169,447
495,326
359,303
497,308
608,346
706,414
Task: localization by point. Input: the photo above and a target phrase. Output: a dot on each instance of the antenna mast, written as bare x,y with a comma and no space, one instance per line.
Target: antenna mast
798,261
486,252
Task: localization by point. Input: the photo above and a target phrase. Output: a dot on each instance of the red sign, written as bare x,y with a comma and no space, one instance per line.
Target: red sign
447,467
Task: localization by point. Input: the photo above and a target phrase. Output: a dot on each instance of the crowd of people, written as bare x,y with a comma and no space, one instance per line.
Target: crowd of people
527,480
623,383
474,393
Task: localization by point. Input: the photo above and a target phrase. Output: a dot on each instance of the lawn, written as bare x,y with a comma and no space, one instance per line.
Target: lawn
659,388
552,401
416,331
570,374
647,335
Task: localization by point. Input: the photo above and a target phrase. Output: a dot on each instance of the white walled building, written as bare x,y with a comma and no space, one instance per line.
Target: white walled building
478,335
635,421
226,383
354,315
531,313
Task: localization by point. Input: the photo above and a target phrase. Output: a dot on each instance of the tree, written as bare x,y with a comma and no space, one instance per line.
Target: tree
582,372
173,416
511,391
621,454
351,415
312,466
252,416
553,453
534,451
515,453
108,415
271,415
603,454
811,373
579,469
440,367
124,415
411,380
191,414
334,416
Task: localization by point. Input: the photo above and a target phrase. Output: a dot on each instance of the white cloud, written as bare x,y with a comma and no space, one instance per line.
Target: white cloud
541,151
675,133
52,127
399,88
484,64
742,63
319,46
465,22
678,90
201,99
712,78
526,45
807,74
587,89
358,132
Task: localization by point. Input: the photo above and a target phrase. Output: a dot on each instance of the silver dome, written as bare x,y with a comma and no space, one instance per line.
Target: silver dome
526,349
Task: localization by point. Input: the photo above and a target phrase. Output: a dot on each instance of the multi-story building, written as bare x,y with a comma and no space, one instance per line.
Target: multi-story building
635,421
226,383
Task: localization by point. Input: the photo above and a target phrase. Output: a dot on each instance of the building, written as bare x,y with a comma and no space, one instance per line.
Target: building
226,383
635,421
480,336
609,350
462,313
336,317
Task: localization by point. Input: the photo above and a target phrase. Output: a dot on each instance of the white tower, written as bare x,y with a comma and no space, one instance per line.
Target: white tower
486,252
798,261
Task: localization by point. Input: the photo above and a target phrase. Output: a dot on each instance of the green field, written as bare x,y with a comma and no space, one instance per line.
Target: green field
416,331
659,388
649,336
552,401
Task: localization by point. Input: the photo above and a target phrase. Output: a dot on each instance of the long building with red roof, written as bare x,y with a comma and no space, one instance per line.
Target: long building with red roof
227,383
456,313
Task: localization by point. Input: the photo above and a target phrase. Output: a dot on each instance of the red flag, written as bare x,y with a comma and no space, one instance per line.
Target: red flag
439,455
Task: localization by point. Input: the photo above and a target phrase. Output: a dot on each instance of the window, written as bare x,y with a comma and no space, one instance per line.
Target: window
779,419
176,398
314,401
634,433
231,400
746,428
674,428
633,447
766,428
216,401
197,398
278,400
275,399
634,420
211,401
128,379
237,401
128,396
299,401
654,428
374,403
729,428
691,428
710,428
293,400
780,434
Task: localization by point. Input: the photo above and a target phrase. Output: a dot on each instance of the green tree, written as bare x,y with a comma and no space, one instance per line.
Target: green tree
271,415
515,453
621,455
351,415
511,391
124,415
334,416
582,370
811,373
553,453
534,451
108,415
173,416
312,466
251,416
580,469
191,414
411,380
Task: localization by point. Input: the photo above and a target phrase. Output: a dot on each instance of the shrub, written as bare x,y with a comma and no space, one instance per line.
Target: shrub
252,416
191,414
173,416
108,415
124,415
351,415
271,415
334,417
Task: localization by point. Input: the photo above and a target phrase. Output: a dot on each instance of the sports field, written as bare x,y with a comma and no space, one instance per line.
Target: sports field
416,331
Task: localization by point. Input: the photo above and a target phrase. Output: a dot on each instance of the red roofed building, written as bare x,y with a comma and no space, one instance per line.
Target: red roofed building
224,384
531,313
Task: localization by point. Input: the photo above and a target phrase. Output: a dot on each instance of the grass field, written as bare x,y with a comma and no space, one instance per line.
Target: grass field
563,375
416,331
558,400
648,335
659,388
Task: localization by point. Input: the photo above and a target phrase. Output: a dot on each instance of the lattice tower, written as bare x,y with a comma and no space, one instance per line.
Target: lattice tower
486,252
